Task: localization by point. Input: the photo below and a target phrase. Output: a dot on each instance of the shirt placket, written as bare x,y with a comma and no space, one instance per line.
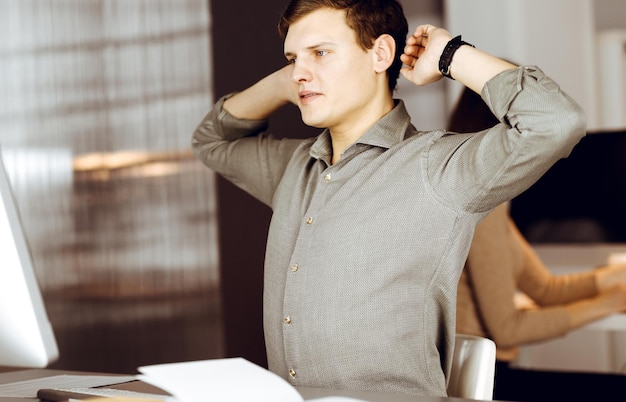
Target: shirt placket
292,326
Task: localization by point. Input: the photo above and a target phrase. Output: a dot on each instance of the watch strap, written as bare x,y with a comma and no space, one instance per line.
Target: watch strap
448,52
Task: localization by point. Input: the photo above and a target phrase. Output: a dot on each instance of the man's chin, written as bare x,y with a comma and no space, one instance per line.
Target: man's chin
314,125
311,122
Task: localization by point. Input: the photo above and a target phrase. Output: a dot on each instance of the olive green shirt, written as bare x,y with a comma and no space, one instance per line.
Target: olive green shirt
363,257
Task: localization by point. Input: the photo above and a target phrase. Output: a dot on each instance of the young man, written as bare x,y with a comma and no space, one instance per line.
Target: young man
372,219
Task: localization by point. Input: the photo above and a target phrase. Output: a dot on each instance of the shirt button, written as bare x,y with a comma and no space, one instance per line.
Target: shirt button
288,320
294,268
292,373
327,178
309,220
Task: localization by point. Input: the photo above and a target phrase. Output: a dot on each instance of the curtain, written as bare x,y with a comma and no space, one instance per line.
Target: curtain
98,101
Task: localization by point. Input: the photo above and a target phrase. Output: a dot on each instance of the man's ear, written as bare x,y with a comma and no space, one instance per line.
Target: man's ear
384,52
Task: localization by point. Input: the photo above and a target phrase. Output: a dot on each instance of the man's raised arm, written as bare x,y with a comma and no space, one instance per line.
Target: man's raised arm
468,65
260,100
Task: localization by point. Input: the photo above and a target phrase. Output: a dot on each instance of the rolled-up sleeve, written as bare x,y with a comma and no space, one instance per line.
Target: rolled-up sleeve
533,103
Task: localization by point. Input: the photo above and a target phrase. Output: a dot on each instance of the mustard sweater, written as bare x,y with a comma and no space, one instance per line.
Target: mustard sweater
501,263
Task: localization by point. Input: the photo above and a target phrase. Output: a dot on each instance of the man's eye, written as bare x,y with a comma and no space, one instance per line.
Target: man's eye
291,61
321,52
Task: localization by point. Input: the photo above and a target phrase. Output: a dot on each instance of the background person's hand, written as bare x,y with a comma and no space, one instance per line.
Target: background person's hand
611,275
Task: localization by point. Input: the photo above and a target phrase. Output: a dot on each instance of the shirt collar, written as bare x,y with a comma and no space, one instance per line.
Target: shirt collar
385,133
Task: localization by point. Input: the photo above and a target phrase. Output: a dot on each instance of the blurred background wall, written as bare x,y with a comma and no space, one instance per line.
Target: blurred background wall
98,99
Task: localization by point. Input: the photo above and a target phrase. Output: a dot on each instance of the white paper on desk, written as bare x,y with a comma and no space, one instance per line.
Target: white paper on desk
29,388
220,380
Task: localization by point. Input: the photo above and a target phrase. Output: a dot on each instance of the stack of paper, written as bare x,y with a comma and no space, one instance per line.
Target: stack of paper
223,380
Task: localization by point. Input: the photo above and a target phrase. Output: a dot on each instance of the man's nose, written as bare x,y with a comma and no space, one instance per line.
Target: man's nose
301,72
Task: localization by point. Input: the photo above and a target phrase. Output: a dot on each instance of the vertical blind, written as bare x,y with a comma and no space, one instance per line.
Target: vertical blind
98,100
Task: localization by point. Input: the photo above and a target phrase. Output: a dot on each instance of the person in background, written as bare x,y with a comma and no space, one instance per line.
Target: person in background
372,219
501,266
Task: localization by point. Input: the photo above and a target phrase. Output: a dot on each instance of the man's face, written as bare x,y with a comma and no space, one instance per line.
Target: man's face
333,75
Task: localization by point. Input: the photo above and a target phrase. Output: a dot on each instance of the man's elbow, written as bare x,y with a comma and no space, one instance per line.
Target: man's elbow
570,128
576,124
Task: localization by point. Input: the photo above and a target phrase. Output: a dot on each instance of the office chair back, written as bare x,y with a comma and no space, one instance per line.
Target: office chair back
473,368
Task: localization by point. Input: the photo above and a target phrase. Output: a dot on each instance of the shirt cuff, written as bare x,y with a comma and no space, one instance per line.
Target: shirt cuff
231,127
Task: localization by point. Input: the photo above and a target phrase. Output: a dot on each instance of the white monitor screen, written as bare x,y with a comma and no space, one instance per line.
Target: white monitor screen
26,336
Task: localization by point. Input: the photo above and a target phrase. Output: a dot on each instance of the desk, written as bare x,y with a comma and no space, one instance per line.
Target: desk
597,347
307,393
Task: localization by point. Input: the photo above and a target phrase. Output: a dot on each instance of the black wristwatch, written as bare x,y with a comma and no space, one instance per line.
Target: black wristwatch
446,57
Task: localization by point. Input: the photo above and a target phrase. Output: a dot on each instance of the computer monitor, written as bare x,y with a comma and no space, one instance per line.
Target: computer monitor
582,198
26,336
